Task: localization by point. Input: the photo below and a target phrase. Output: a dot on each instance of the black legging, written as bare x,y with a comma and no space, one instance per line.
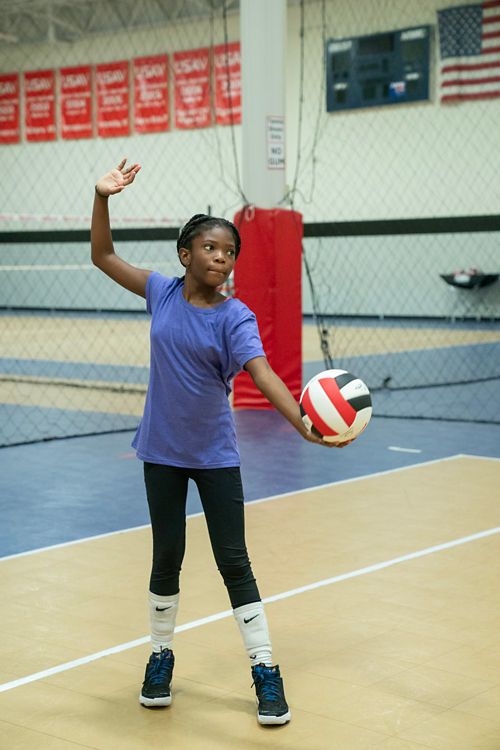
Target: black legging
221,495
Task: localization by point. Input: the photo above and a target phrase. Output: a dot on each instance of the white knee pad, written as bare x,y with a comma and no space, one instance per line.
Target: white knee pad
162,616
252,623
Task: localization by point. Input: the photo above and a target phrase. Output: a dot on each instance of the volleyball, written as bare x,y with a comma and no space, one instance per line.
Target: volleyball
336,406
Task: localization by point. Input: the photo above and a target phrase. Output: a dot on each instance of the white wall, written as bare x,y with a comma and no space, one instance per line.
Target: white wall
183,171
421,159
407,161
400,275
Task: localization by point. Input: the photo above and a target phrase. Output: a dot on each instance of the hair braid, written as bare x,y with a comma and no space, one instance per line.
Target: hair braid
200,222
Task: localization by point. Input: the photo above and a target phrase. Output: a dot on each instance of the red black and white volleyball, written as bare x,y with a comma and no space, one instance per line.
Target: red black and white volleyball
336,406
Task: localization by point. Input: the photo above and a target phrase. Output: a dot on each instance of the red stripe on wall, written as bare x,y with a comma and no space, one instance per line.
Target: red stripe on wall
471,82
470,97
465,68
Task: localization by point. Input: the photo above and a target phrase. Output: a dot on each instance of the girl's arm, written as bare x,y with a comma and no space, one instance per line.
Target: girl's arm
103,253
274,389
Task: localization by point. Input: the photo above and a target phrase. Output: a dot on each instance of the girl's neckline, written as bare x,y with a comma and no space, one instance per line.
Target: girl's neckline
198,308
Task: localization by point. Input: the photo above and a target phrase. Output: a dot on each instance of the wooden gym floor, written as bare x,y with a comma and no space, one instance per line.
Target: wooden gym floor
379,565
382,598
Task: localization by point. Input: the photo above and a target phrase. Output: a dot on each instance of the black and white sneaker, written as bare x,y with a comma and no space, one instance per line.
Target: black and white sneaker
156,686
271,701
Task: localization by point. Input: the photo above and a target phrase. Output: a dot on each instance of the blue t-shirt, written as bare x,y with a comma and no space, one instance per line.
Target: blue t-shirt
195,353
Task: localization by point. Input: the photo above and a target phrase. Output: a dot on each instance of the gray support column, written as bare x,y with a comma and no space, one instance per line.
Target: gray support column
263,37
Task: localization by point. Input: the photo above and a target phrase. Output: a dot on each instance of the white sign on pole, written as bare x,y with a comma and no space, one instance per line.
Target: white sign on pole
275,137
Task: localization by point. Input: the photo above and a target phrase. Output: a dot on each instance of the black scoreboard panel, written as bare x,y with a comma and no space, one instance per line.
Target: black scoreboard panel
370,71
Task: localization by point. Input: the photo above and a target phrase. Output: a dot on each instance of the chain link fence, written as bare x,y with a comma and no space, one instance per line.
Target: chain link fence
74,356
404,281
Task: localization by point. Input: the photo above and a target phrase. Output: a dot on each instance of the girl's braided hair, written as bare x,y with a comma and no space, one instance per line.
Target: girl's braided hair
200,223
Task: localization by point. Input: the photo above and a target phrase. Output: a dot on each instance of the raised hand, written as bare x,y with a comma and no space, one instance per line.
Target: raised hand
117,180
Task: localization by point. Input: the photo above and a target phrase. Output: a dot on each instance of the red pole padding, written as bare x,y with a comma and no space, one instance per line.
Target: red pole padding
267,277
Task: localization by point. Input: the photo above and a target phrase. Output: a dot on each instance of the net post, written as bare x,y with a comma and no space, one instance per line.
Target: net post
263,34
267,277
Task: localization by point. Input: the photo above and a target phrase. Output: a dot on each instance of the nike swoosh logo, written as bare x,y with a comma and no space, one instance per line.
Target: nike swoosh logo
246,621
162,609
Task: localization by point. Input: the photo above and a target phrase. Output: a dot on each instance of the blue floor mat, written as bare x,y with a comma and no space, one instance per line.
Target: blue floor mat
66,490
28,424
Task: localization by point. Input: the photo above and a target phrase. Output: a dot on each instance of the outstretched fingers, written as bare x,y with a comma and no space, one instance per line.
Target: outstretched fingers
116,180
126,175
130,173
131,168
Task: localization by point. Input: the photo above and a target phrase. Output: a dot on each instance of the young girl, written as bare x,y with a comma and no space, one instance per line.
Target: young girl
199,341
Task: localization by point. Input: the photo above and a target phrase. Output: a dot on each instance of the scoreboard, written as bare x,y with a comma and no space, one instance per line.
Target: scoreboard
379,69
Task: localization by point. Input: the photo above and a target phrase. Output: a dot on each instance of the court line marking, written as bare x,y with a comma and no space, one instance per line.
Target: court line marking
249,502
481,458
403,450
269,599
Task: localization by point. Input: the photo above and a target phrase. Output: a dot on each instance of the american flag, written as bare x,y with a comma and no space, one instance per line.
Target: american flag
469,43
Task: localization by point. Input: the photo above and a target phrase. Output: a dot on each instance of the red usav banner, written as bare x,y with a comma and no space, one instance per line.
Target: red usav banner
227,71
40,105
76,102
9,108
192,89
151,111
112,99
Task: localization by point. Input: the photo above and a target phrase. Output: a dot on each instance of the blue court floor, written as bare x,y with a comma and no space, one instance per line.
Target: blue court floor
65,490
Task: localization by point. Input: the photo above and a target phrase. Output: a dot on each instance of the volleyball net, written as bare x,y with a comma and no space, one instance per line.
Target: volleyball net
425,340
75,346
395,200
